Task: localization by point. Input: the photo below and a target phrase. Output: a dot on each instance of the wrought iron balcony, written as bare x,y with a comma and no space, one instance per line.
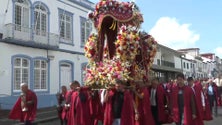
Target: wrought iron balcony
168,64
29,36
199,69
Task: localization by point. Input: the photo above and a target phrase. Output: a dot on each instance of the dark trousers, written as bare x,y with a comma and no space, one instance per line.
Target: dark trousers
213,103
27,122
154,110
219,91
181,119
63,122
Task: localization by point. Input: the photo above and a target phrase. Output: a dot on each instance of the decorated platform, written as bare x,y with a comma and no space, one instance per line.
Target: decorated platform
119,49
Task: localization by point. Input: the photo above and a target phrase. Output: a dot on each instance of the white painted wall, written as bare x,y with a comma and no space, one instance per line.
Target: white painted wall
177,61
187,71
5,70
8,50
4,15
54,20
77,11
54,67
6,53
158,56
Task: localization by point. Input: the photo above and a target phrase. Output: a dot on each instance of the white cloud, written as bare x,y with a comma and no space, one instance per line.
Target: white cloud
218,51
169,32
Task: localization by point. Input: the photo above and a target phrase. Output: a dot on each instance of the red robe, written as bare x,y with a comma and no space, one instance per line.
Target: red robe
145,115
64,110
16,112
79,110
127,115
96,108
187,96
207,115
199,105
69,111
163,116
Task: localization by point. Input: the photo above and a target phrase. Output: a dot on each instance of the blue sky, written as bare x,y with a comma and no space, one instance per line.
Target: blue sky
181,24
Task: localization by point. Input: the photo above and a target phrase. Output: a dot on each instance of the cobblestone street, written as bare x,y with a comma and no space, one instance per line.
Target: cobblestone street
216,120
45,119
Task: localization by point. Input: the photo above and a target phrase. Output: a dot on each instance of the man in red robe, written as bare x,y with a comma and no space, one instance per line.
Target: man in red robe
119,107
142,103
96,107
182,103
79,106
199,99
69,111
159,104
25,107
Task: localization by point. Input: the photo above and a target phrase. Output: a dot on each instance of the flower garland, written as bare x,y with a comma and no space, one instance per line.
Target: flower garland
91,47
127,44
104,73
151,51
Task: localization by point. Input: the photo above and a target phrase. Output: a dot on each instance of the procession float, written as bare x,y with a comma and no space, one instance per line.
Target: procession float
118,49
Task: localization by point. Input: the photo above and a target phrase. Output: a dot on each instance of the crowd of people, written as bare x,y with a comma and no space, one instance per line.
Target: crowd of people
182,101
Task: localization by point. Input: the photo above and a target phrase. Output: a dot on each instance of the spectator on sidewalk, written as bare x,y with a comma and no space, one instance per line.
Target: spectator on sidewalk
212,94
218,82
25,107
62,112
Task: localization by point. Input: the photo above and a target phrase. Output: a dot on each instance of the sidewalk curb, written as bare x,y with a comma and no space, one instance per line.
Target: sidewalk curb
36,122
45,120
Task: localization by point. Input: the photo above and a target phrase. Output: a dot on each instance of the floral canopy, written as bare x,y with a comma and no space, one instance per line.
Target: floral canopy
118,50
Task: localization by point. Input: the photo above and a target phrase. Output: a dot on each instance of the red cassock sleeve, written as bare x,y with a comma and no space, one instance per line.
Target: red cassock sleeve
147,114
127,115
16,112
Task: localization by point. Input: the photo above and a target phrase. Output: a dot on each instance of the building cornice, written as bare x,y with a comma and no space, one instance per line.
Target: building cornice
165,68
78,3
172,50
33,44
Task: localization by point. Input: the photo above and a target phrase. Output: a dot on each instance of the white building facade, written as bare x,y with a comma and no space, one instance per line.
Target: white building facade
42,44
167,63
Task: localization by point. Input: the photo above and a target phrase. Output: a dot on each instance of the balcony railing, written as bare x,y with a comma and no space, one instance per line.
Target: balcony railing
26,34
199,69
168,64
17,32
46,38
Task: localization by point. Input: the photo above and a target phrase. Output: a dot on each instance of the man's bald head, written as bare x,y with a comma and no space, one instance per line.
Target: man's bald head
24,87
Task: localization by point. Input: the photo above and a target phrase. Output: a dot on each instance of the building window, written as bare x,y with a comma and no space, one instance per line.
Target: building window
83,70
65,26
21,15
41,19
40,74
158,62
184,65
86,28
21,72
187,65
191,65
